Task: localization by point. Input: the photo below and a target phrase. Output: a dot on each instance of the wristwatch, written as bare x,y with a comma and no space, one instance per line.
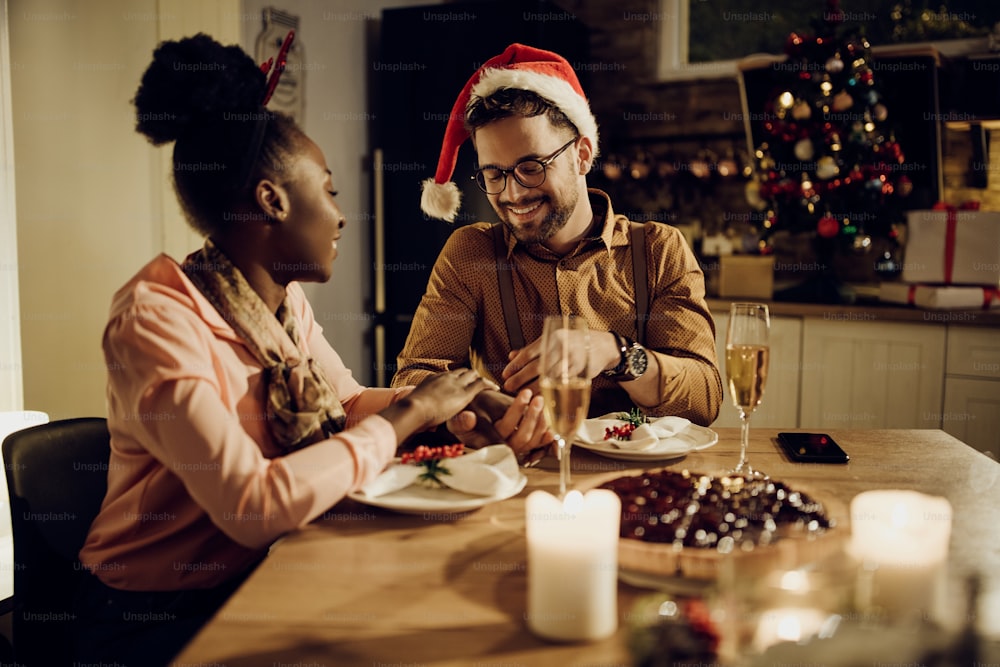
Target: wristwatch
634,360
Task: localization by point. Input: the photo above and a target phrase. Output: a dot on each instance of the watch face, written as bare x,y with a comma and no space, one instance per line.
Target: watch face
637,360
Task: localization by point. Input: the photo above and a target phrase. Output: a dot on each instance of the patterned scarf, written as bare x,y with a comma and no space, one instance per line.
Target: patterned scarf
302,407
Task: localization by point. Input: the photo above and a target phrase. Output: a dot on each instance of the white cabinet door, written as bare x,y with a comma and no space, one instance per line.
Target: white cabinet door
972,413
871,374
780,407
972,388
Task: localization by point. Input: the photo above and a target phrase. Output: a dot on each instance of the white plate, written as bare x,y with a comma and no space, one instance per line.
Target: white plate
416,499
691,439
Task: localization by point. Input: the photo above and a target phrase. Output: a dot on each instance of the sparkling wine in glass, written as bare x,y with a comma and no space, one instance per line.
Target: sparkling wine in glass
565,382
747,352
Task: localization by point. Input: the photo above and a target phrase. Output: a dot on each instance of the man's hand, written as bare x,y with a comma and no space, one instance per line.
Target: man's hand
523,368
494,417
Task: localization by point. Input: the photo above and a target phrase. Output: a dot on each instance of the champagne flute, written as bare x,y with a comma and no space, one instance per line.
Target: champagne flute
565,382
747,352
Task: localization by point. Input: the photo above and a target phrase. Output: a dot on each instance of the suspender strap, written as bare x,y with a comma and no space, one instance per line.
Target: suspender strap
514,334
639,279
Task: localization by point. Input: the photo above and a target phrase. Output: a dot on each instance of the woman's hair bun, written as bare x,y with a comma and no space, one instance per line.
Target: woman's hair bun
193,81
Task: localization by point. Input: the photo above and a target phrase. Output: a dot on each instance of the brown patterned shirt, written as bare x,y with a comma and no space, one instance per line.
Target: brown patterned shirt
460,322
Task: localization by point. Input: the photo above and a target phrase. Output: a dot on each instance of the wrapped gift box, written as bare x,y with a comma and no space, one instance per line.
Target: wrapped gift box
953,247
938,297
746,276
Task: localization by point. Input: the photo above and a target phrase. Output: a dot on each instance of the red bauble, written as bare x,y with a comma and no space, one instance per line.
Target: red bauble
904,186
827,227
793,45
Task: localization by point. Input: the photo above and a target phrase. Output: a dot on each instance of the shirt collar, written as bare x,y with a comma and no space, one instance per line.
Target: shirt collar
610,236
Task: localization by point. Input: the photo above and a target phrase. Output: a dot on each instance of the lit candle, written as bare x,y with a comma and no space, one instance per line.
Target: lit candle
573,564
789,624
901,540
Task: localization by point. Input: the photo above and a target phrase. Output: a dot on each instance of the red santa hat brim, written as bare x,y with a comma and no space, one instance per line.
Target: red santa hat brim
520,67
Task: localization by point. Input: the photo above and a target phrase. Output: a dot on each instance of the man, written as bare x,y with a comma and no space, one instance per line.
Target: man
565,251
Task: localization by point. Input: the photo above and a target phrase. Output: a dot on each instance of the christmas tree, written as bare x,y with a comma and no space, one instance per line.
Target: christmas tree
827,161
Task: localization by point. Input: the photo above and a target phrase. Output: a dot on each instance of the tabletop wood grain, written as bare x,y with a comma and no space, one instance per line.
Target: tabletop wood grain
364,586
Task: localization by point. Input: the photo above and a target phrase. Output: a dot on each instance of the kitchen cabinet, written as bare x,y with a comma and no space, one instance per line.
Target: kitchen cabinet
858,368
971,409
871,374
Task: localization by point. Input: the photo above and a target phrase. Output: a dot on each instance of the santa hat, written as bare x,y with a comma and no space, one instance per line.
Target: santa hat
521,67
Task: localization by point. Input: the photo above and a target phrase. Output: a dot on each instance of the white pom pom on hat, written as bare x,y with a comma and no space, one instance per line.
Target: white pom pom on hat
521,67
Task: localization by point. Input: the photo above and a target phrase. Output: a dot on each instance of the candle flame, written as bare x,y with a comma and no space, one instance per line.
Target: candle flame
573,502
794,580
789,628
900,515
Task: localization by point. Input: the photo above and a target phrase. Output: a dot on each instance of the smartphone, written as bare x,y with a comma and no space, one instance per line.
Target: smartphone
812,448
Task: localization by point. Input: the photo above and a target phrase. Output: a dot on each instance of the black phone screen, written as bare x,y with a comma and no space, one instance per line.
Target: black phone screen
812,448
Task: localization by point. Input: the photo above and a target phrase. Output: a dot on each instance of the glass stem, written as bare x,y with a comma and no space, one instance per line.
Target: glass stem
743,465
563,450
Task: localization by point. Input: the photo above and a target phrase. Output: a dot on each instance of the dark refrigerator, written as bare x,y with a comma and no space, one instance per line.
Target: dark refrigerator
424,57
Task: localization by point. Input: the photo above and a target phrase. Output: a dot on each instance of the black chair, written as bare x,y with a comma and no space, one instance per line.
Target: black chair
56,478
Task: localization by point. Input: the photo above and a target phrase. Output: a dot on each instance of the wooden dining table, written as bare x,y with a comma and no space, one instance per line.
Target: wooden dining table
368,586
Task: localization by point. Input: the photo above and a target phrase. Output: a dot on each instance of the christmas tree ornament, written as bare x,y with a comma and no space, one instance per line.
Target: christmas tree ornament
801,110
753,196
793,45
827,226
842,101
904,186
804,150
826,168
808,191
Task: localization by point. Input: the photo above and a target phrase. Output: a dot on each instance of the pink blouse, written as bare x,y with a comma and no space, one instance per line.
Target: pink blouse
197,488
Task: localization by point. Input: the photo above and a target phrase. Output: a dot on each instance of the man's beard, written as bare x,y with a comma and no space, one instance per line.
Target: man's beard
550,224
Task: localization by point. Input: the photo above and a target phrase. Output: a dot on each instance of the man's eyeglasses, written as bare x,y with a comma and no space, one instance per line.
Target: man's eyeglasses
528,173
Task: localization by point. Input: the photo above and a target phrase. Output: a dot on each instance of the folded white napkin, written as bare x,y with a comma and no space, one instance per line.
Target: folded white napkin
644,437
486,472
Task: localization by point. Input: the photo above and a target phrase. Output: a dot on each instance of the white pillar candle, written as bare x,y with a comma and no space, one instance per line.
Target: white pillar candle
573,564
900,538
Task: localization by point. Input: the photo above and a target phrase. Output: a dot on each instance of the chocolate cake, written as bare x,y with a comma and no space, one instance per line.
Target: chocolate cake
674,513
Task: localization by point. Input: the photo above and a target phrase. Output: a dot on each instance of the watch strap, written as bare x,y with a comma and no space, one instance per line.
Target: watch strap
623,345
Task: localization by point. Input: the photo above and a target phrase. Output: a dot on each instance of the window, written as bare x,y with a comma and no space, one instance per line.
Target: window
705,38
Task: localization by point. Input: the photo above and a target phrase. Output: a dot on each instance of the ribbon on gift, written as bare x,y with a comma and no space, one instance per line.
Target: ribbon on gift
990,294
949,234
488,471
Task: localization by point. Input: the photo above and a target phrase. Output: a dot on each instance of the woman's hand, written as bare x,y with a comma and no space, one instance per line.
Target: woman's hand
434,400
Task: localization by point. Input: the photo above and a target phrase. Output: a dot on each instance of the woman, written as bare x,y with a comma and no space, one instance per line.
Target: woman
232,419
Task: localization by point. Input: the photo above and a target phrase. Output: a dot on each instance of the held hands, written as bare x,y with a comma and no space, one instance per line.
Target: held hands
496,417
440,397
